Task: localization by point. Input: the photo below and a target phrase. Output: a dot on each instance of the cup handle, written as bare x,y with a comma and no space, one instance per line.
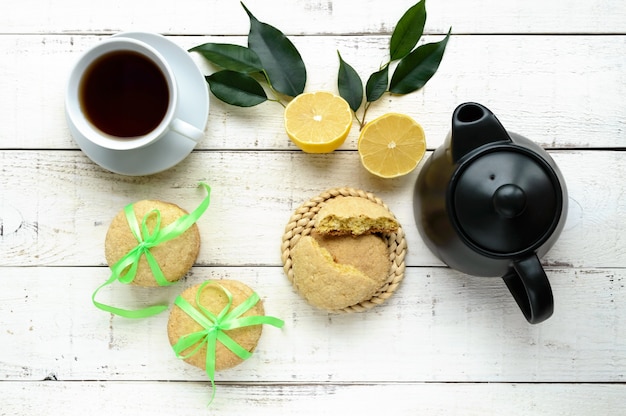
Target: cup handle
187,130
530,287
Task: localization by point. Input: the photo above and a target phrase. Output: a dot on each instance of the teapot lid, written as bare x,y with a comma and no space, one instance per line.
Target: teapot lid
505,201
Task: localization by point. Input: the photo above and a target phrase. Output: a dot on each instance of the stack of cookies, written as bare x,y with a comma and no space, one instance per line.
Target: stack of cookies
214,300
349,256
228,310
175,257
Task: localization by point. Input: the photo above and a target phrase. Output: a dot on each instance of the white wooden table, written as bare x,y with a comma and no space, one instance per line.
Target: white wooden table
444,343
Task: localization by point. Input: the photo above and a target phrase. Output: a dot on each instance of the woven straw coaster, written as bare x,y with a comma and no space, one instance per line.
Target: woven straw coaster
302,222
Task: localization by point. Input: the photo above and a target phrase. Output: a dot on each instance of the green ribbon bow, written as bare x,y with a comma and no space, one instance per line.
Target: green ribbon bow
125,269
214,327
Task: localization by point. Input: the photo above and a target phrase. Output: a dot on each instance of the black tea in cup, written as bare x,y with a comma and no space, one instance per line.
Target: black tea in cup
124,94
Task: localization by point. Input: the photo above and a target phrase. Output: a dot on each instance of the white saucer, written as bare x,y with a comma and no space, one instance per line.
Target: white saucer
173,148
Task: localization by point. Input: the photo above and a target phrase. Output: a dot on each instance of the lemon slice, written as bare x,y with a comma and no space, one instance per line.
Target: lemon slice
391,145
318,122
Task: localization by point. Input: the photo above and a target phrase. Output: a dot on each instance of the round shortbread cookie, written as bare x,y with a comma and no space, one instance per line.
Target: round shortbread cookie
339,268
214,299
354,216
368,253
325,283
175,257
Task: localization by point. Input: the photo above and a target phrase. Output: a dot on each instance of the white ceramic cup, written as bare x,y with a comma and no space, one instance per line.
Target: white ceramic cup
76,112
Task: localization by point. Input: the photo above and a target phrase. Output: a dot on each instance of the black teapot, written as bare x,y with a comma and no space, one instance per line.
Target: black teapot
491,203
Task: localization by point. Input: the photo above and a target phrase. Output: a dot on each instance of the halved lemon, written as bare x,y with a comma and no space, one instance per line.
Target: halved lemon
391,145
318,122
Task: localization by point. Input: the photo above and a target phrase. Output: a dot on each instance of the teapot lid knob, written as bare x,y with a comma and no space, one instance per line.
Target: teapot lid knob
509,200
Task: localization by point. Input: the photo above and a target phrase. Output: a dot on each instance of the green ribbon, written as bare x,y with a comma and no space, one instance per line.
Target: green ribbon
125,269
214,327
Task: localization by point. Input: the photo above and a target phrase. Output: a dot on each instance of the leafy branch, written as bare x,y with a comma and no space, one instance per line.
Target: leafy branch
269,58
414,69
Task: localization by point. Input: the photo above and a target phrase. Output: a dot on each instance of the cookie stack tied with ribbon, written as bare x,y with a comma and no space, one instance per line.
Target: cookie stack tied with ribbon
216,325
344,251
151,243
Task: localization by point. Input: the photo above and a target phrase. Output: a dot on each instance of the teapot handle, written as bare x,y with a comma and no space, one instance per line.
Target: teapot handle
529,285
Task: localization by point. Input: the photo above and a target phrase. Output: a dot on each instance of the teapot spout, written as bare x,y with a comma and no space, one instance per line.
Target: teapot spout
474,125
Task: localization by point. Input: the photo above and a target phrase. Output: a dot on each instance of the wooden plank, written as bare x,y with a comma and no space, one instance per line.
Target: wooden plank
566,91
149,398
70,202
438,327
445,343
321,17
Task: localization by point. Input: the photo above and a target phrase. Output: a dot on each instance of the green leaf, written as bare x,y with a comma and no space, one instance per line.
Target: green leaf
349,84
408,31
415,69
377,84
233,57
236,88
281,60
